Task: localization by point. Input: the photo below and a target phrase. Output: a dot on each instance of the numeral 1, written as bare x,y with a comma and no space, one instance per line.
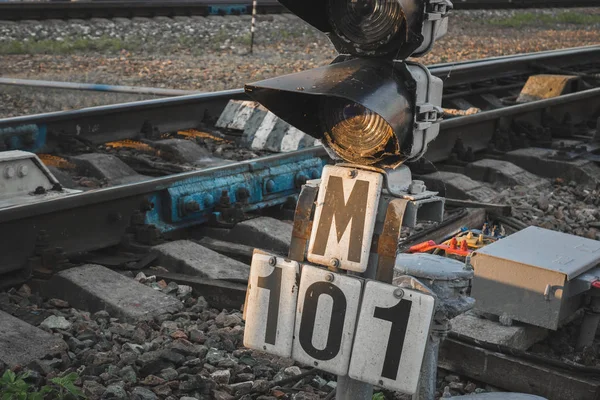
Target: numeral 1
398,315
272,283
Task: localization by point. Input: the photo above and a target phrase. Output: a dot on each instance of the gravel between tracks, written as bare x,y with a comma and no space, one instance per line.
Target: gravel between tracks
209,54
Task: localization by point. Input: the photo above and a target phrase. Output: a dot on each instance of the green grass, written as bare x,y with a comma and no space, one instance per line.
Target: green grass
527,18
68,46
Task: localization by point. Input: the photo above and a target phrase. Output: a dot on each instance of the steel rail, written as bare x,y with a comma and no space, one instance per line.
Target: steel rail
454,74
15,11
101,218
95,87
102,124
477,130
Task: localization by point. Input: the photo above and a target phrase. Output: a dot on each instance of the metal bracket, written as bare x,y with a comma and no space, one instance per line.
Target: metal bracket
437,9
387,242
427,115
302,222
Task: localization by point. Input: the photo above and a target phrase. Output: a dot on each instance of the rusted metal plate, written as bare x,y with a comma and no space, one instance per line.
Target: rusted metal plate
387,242
302,222
514,374
540,87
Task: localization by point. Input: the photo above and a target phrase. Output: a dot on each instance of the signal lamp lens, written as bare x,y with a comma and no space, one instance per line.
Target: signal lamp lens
367,24
355,133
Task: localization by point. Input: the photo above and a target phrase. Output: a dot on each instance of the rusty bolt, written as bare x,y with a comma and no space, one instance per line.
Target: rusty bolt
242,194
329,277
272,261
270,186
300,179
398,293
351,173
334,262
192,206
224,200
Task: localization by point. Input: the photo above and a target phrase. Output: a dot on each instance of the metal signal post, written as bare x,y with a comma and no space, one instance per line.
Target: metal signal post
373,112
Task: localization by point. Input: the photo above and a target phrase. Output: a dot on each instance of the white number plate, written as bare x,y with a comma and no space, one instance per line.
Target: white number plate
325,319
391,337
345,217
315,323
271,304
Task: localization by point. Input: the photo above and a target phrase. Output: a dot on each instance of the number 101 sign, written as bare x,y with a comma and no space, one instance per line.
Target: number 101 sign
368,330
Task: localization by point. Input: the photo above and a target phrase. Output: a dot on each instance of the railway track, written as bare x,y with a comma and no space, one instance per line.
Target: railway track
163,205
15,11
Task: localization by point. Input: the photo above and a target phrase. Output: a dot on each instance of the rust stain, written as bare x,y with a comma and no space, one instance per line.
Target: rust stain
131,144
193,134
57,162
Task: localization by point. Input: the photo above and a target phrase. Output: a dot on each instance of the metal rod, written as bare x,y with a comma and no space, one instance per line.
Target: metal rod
350,389
589,326
428,380
94,87
253,28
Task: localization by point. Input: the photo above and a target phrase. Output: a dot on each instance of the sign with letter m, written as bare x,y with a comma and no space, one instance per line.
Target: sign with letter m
345,217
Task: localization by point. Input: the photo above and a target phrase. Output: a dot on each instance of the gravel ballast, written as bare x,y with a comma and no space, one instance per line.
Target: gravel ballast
210,54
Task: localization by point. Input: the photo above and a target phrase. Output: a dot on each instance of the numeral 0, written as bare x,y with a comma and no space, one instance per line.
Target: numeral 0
309,316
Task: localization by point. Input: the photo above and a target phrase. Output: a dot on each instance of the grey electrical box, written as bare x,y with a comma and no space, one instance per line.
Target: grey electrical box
536,276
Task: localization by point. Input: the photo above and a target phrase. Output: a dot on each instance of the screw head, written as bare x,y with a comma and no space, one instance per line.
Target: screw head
334,262
272,261
329,277
270,185
23,170
192,206
398,293
351,173
9,172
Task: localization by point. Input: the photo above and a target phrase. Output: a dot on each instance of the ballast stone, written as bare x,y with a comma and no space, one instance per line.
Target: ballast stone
21,343
95,288
107,166
187,257
264,233
520,337
458,186
504,172
538,161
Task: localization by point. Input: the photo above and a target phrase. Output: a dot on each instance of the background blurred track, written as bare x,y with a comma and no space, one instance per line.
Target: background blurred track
16,11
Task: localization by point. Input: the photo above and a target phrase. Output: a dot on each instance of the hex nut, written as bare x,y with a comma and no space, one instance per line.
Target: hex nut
416,187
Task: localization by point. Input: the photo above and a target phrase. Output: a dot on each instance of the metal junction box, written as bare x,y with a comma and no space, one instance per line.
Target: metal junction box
536,276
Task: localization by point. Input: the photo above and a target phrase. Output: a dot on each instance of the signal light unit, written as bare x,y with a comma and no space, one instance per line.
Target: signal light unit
369,106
